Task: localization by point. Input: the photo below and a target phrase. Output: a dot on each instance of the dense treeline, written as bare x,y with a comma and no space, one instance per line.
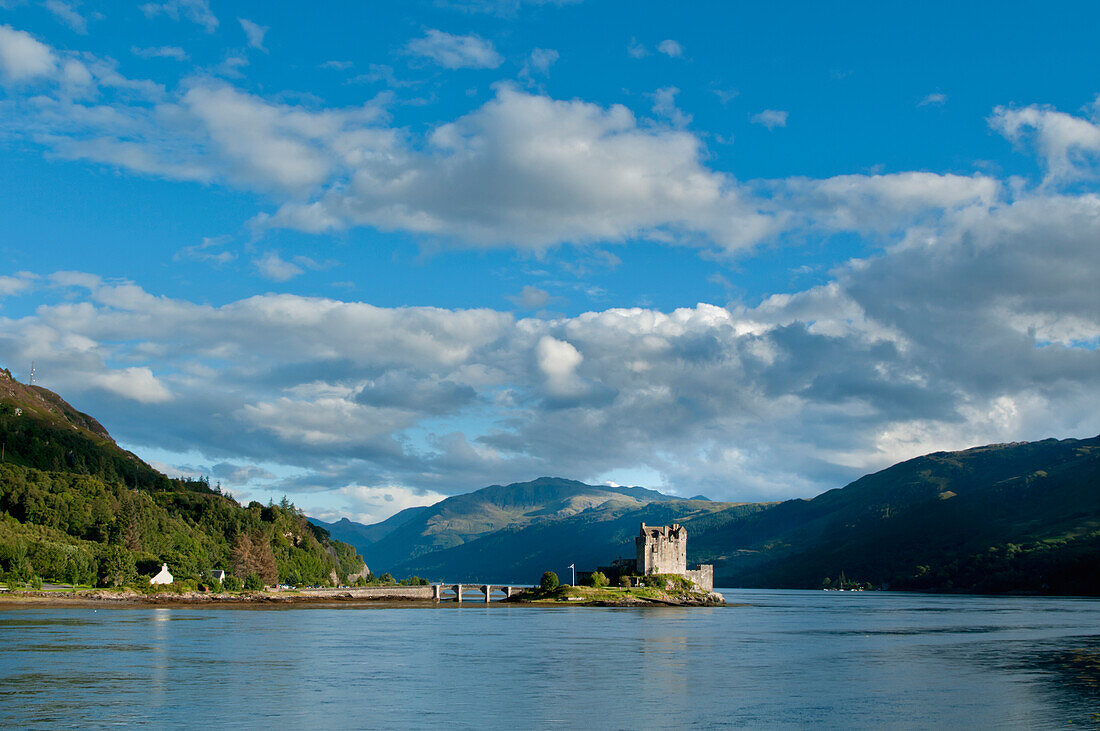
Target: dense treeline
83,529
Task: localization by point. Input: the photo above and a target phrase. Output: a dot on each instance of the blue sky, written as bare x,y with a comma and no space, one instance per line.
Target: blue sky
372,254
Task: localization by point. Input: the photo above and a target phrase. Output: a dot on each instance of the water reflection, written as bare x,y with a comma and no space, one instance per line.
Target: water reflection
784,659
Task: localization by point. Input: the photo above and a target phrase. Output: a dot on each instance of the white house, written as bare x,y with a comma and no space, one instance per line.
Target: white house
218,575
163,577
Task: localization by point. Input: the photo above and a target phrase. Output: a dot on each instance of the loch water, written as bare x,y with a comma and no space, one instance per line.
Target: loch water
772,659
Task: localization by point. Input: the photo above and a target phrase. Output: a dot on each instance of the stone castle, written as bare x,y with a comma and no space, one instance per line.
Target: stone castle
661,549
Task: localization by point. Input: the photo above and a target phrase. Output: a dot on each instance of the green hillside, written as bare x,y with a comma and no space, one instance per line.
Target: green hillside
1001,518
75,507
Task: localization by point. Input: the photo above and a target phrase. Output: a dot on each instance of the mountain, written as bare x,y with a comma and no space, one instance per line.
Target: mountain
357,534
513,532
998,518
74,506
43,431
1022,517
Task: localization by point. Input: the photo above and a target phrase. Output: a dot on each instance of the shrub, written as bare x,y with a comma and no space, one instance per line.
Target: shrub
386,578
253,582
625,580
232,583
549,581
597,580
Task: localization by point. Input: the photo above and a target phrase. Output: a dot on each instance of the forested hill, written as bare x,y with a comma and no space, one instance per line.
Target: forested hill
1021,517
75,507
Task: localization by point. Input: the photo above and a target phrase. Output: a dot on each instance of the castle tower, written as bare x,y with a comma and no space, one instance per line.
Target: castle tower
662,549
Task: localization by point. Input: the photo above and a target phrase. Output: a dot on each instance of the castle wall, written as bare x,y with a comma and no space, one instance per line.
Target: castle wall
702,576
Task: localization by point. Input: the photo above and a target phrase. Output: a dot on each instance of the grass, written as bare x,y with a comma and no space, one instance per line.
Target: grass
590,594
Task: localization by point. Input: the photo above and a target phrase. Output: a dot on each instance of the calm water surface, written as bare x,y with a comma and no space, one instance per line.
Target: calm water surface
786,659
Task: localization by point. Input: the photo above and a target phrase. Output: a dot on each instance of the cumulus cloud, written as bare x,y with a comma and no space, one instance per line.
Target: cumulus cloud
455,52
523,170
1069,146
935,99
770,118
527,170
21,283
980,324
23,57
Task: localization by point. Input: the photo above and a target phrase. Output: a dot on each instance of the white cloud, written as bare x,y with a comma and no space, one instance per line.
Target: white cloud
558,361
979,325
1068,145
935,99
21,283
373,504
138,384
670,48
541,59
455,52
527,170
273,266
538,64
254,32
197,11
209,251
636,49
529,298
67,13
664,105
770,118
22,57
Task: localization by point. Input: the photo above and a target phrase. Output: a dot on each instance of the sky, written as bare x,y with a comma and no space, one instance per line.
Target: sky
374,254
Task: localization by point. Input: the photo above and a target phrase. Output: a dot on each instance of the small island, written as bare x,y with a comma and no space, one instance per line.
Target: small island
657,576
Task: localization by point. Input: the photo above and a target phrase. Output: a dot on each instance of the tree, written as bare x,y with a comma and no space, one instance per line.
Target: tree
597,579
549,581
253,582
253,554
116,567
232,583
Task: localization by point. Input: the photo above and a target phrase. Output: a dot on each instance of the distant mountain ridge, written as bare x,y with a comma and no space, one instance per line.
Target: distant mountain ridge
1023,516
397,543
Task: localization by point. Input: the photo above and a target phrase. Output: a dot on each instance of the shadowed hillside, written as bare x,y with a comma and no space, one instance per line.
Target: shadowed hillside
75,507
1001,518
